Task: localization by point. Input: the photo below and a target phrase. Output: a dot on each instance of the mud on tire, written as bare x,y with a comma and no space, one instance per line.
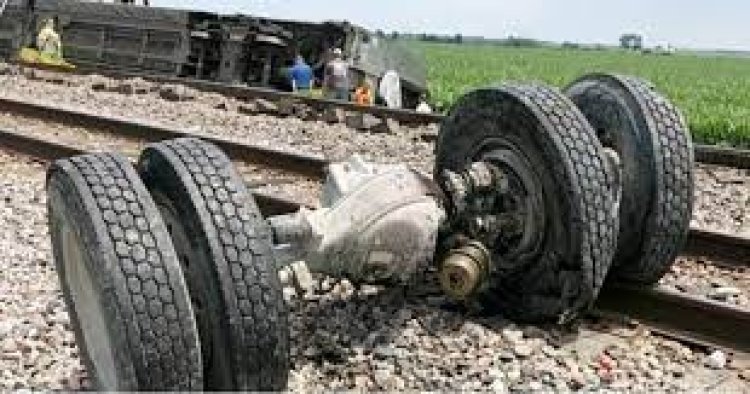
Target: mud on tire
121,281
656,153
225,248
562,275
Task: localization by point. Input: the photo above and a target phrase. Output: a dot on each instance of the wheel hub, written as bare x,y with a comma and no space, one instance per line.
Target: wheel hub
495,205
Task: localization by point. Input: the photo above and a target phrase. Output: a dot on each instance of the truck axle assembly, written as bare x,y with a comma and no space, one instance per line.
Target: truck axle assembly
538,199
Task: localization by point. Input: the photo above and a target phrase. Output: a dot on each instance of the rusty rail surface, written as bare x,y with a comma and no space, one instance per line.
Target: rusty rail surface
724,248
725,156
682,316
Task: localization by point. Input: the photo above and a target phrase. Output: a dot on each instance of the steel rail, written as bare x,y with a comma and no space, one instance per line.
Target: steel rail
48,150
724,248
298,163
725,156
677,315
687,317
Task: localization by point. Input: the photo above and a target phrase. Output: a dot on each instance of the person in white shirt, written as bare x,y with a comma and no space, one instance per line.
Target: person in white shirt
48,41
423,107
390,89
336,79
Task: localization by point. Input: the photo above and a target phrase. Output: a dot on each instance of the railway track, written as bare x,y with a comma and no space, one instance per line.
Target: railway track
669,312
707,154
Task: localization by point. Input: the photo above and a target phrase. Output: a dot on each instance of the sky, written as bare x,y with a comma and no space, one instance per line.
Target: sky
697,24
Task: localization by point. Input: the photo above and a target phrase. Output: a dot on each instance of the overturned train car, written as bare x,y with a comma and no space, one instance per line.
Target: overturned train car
195,44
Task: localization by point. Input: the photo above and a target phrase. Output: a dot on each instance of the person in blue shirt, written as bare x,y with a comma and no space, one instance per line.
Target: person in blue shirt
301,75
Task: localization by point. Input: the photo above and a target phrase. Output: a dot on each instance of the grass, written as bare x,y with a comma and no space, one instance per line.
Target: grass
712,92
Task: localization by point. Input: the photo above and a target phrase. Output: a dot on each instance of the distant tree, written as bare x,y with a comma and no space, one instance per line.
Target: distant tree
570,45
394,35
518,42
459,39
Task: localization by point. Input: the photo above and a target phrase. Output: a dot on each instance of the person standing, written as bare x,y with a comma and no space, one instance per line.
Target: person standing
336,79
390,89
363,94
423,107
301,76
48,41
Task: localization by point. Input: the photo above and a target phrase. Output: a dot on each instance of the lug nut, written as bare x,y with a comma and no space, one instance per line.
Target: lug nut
481,176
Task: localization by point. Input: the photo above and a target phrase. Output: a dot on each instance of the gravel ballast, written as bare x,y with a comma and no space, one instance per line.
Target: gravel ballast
722,199
374,338
716,282
37,346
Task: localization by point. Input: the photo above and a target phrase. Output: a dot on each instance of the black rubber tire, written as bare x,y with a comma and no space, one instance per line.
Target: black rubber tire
657,161
564,277
124,270
229,263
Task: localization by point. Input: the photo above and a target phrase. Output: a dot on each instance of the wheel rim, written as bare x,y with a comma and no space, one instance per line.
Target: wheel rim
522,200
89,310
517,203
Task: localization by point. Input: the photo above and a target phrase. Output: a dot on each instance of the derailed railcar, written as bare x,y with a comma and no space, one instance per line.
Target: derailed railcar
101,35
204,45
13,24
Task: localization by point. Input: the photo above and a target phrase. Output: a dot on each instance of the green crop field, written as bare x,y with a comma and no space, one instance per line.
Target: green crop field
712,92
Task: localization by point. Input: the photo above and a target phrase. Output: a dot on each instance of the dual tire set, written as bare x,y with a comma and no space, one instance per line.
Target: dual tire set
168,272
603,181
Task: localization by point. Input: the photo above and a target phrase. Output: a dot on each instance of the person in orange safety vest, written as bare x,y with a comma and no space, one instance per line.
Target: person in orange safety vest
363,94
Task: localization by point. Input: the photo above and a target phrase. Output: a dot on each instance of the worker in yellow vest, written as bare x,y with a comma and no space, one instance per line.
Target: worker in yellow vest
48,41
48,51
